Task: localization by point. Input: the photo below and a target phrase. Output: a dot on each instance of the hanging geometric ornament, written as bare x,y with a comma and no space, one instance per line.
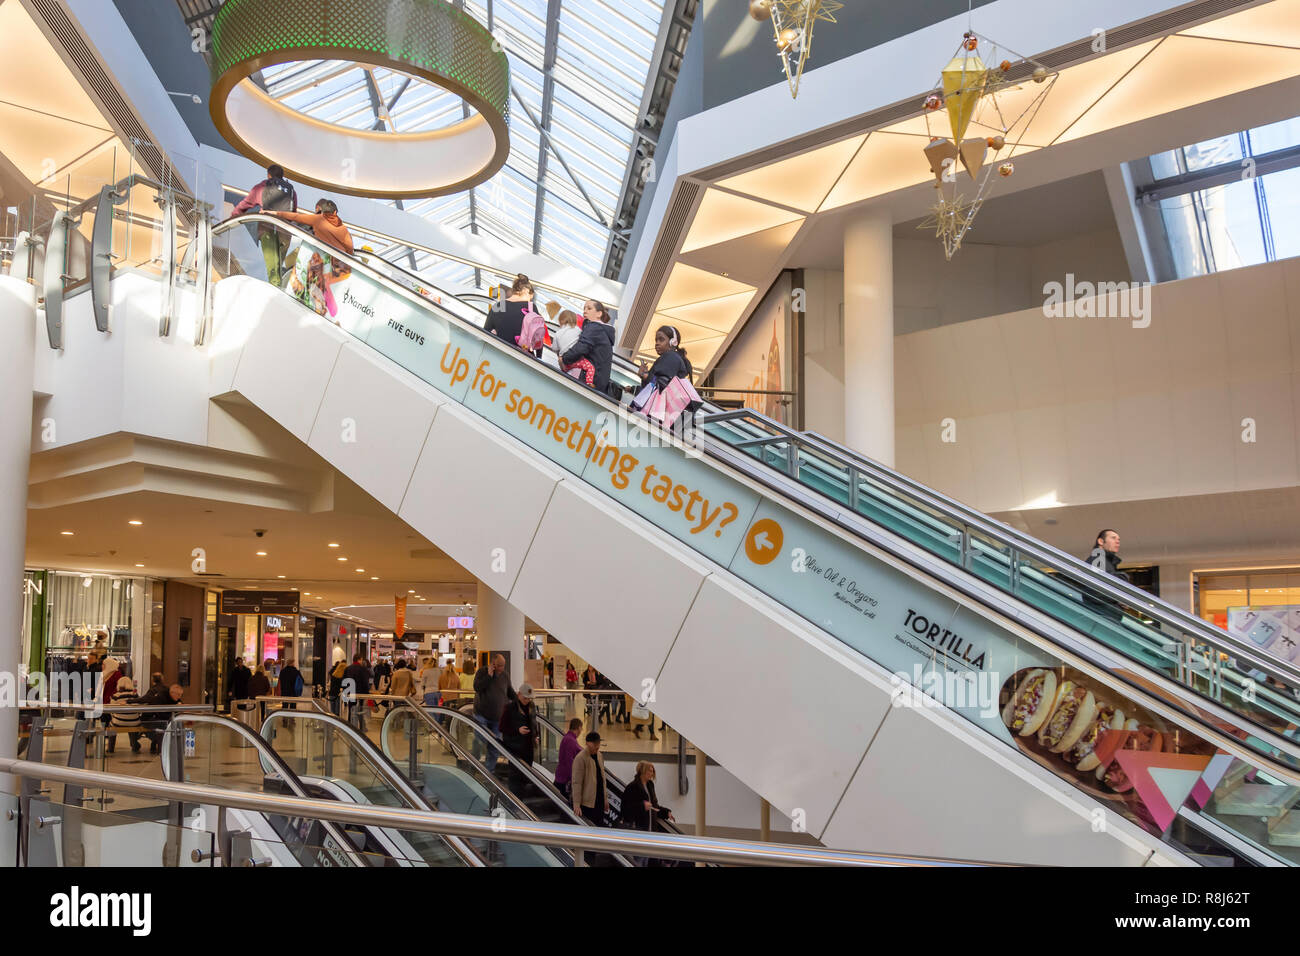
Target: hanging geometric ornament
987,115
792,26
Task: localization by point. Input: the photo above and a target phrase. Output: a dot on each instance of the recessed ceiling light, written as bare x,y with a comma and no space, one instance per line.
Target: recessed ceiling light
139,565
411,591
332,544
308,593
279,575
342,559
374,579
261,554
135,521
69,533
361,570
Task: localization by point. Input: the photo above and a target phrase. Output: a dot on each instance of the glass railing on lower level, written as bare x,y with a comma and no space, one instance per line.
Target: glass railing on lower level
188,824
733,502
334,761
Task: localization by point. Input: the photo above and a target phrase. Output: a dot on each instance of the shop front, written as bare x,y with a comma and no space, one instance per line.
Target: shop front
1259,605
71,616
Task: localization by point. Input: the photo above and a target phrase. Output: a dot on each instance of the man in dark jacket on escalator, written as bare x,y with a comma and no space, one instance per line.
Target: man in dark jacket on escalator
519,730
595,343
1105,558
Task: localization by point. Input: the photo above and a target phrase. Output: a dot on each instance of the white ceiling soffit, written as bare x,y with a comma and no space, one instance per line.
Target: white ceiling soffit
752,207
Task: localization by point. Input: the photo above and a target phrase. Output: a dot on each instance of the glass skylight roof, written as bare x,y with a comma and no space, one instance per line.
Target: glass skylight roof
601,63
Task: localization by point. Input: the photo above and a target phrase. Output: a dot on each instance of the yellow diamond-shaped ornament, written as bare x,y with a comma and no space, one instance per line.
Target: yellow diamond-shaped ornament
963,84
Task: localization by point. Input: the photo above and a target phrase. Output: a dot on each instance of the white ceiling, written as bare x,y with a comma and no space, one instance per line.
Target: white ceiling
296,544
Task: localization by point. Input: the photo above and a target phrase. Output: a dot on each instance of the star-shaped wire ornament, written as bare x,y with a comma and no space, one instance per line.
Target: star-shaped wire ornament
792,26
982,109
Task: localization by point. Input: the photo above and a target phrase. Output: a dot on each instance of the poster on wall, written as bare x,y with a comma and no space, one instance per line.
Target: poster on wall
1274,630
758,364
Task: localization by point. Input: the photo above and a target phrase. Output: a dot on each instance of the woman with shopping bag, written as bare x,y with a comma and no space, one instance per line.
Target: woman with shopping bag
666,390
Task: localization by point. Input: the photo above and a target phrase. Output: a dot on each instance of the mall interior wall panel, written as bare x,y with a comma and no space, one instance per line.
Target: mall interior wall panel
282,369
83,379
183,601
929,787
474,491
159,398
1139,410
609,585
373,422
774,700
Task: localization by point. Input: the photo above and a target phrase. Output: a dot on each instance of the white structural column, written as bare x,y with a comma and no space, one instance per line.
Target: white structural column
869,336
500,627
17,340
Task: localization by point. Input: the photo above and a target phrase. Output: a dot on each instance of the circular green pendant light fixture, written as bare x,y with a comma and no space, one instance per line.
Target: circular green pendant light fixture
427,39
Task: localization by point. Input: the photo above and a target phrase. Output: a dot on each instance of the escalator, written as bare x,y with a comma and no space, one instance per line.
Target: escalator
446,756
216,751
882,631
335,761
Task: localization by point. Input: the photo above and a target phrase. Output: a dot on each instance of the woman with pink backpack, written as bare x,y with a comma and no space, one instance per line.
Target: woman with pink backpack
508,317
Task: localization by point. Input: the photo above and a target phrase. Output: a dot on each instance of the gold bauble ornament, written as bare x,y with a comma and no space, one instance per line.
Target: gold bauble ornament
1006,169
996,142
760,9
788,38
1040,74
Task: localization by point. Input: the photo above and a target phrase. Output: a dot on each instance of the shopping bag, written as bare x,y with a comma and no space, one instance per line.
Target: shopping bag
678,396
639,711
657,408
644,396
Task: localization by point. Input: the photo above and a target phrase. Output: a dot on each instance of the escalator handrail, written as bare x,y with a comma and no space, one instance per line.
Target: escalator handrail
750,469
387,772
1071,567
1118,588
517,805
480,731
267,756
539,780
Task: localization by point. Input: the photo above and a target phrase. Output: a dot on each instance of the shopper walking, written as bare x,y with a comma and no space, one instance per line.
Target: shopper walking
291,683
467,677
590,792
337,673
272,194
129,723
359,676
259,685
640,806
569,748
519,731
449,683
403,680
239,678
491,692
427,681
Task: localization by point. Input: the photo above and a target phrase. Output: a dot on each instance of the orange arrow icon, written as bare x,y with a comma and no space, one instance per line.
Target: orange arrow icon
763,542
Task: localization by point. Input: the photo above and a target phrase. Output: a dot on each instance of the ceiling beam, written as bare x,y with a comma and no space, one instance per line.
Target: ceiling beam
544,122
670,47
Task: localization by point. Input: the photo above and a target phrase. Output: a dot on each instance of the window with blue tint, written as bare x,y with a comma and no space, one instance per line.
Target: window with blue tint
1227,202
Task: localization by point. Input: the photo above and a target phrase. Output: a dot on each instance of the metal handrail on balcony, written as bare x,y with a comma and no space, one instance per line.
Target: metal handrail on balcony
672,846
